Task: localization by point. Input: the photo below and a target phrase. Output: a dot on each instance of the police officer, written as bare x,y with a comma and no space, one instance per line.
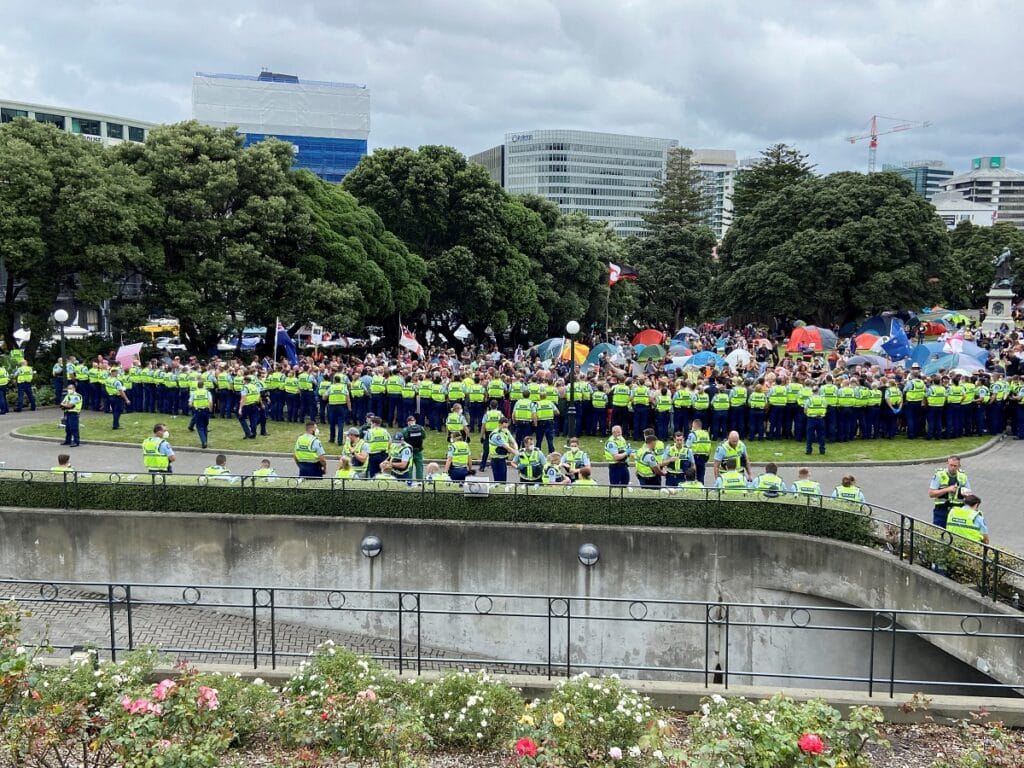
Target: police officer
357,451
309,452
616,453
488,423
848,491
5,380
157,454
732,480
768,482
505,447
733,448
966,520
415,435
699,443
249,408
378,439
116,396
72,407
529,462
574,460
815,410
459,462
201,403
676,459
400,456
947,489
337,408
24,374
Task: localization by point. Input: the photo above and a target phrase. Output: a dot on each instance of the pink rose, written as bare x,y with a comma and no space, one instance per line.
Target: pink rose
126,703
369,695
208,698
811,742
162,689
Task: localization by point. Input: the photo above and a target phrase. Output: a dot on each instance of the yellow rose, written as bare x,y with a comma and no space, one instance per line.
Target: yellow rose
526,720
558,719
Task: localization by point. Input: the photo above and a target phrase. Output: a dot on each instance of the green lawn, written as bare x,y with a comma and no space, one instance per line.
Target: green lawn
227,435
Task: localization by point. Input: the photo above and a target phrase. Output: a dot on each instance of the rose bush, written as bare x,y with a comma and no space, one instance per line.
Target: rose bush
466,710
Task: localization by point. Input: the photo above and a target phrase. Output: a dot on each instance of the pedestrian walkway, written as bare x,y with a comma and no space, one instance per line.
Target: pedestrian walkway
994,474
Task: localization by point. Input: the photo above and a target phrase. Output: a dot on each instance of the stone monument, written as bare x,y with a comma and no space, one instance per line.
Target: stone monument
1000,295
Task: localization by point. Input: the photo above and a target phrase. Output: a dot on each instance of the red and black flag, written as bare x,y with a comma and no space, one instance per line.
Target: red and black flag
618,272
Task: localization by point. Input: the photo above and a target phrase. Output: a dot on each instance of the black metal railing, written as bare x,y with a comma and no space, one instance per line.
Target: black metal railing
548,635
996,573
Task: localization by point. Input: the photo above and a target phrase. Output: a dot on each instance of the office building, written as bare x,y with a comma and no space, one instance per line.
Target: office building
609,177
954,208
93,126
718,168
327,123
990,181
928,176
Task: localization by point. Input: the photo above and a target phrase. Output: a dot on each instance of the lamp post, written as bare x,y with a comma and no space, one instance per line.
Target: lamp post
61,316
572,328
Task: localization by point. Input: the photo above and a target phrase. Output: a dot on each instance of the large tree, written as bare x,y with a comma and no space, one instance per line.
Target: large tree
778,167
680,195
235,235
475,238
675,271
830,249
974,252
73,219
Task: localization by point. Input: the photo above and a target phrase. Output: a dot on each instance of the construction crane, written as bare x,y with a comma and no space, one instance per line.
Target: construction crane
874,133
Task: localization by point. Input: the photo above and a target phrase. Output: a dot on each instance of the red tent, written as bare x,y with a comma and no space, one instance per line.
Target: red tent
648,337
866,340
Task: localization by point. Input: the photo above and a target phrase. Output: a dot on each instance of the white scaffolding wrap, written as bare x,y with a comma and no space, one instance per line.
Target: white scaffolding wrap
302,108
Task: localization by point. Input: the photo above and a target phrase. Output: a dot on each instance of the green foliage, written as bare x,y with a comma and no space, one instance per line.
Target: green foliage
681,200
779,166
768,733
974,250
466,710
834,248
72,218
335,498
982,745
676,268
594,722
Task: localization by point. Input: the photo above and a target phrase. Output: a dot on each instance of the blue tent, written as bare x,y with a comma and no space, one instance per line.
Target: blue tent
949,362
705,358
595,353
550,349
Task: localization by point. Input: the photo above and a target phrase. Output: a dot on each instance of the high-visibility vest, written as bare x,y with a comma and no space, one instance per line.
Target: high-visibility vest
580,391
943,479
533,391
620,445
337,394
574,459
377,385
770,485
263,472
758,401
353,451
620,396
456,392
793,392
437,393
4,377
522,412
738,396
24,374
599,399
515,392
460,453
110,385
492,419
847,397
663,404
701,401
545,410
955,394
831,394
678,459
74,402
815,407
720,402
477,393
304,452
291,385
733,481
395,452
530,464
393,385
777,395
916,393
894,397
495,389
874,397
969,388
851,493
642,470
962,521
733,452
807,487
453,423
250,394
215,470
701,444
683,398
409,390
356,389
378,439
936,396
151,456
201,399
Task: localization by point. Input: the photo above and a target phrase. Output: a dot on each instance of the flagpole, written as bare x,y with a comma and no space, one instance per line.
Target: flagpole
607,309
277,322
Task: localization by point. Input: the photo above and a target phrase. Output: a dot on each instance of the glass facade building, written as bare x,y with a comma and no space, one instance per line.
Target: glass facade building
609,177
93,126
327,123
927,176
990,181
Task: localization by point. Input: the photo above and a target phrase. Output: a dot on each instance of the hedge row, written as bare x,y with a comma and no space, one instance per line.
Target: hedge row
593,506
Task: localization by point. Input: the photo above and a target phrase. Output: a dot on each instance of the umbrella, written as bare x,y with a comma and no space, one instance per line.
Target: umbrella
866,340
653,352
964,363
648,336
127,353
582,350
821,338
737,358
548,350
705,358
604,348
685,331
881,362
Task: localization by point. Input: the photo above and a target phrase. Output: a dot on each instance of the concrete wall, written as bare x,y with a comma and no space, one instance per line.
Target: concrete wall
481,559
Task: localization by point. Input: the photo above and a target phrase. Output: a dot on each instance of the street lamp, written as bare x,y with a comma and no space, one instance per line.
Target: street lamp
61,316
572,328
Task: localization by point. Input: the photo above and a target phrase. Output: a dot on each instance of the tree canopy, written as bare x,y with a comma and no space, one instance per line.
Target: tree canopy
830,249
779,166
974,250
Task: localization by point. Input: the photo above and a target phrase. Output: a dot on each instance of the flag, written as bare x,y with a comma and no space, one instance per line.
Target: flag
953,343
898,345
408,341
617,272
126,355
286,343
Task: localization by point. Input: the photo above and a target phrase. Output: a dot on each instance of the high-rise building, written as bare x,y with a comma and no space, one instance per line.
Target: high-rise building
609,177
927,176
990,181
327,123
93,126
718,168
953,208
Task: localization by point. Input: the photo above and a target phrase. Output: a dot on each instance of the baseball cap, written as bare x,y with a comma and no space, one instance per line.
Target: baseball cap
396,438
352,431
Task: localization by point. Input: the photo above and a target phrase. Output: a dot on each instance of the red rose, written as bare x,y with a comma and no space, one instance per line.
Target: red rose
323,715
811,742
526,748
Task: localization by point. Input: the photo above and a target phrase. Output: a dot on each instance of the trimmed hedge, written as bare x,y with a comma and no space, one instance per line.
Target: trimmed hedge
585,506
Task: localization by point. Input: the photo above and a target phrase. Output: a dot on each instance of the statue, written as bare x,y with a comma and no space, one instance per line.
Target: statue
1004,275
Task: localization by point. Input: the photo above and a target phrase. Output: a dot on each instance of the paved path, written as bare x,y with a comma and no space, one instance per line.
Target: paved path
995,474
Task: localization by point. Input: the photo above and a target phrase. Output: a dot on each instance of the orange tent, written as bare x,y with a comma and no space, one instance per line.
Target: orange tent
649,336
582,350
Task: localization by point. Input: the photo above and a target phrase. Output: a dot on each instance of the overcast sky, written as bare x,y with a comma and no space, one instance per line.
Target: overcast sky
721,74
